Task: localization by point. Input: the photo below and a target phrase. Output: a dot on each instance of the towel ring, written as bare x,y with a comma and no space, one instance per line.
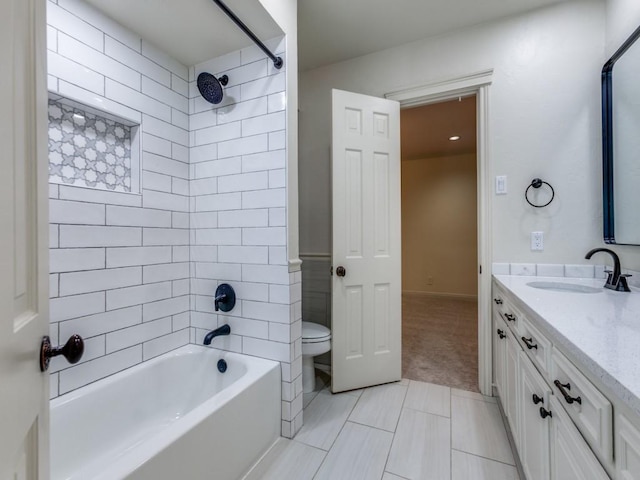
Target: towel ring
537,183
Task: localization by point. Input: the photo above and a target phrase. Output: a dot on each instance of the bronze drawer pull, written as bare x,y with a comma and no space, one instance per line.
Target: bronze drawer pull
529,343
567,398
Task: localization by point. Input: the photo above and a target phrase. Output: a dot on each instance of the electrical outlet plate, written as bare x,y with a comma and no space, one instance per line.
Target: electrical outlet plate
537,241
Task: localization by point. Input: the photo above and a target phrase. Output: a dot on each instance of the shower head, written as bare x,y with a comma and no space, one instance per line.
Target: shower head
211,87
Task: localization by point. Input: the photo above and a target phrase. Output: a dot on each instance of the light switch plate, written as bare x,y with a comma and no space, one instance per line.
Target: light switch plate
501,185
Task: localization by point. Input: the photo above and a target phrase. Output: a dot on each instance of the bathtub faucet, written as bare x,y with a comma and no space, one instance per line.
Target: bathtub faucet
225,298
223,330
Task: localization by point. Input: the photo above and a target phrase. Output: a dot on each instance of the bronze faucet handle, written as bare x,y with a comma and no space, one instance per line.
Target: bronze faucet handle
622,285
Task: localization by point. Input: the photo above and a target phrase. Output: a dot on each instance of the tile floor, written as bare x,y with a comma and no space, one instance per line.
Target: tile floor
406,430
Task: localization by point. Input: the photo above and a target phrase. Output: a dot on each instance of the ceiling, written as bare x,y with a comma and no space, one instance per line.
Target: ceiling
329,31
335,30
191,31
425,131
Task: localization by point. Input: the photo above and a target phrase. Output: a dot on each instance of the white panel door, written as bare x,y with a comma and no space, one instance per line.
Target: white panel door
366,281
24,287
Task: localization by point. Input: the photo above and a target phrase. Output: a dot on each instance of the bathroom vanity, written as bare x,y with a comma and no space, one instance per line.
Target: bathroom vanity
566,366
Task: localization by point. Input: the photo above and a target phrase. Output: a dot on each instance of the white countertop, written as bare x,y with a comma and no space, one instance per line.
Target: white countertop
601,330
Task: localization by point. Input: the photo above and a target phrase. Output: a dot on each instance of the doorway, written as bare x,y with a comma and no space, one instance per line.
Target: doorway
440,243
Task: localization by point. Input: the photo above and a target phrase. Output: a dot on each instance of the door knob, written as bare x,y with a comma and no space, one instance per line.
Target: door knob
72,351
341,271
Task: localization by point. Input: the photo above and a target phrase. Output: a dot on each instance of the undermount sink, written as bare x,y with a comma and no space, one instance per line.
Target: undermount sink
564,287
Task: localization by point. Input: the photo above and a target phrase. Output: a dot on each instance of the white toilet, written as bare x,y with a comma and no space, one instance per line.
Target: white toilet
316,340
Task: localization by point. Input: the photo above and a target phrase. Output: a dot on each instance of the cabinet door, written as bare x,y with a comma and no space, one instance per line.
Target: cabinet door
571,457
627,449
533,395
499,357
511,385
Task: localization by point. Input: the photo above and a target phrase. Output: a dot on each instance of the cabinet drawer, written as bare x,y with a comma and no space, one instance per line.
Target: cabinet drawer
587,407
535,345
506,310
499,300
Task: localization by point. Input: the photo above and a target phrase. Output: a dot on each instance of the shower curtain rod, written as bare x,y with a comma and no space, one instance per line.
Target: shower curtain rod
277,61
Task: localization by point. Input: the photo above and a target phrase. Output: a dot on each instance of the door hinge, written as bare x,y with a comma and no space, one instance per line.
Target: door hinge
480,270
332,270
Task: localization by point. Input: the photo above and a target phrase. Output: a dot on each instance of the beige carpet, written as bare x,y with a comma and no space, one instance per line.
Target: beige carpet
440,340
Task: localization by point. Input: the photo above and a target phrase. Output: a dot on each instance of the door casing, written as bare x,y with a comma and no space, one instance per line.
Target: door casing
477,84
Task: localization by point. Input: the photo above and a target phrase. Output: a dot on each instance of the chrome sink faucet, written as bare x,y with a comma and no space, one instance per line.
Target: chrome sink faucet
615,280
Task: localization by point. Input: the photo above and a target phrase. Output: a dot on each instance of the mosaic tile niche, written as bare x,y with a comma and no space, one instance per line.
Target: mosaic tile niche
88,150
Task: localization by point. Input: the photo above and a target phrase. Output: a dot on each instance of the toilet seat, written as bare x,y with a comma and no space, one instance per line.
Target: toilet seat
315,333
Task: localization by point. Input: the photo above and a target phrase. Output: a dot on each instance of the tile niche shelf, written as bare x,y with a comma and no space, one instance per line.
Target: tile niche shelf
92,149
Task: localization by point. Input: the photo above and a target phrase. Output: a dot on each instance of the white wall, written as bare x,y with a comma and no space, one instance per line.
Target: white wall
623,17
285,14
119,261
439,225
544,121
239,220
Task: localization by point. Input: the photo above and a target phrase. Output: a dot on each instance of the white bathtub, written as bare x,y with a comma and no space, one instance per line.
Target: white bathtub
172,417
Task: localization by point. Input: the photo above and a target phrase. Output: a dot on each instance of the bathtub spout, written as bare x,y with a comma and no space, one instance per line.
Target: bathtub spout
223,330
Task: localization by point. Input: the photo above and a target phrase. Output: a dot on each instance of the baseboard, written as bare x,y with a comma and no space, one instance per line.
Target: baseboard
460,296
321,256
323,367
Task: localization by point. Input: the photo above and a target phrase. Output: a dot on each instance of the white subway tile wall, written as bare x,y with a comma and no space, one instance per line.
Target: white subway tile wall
116,279
238,218
135,274
551,270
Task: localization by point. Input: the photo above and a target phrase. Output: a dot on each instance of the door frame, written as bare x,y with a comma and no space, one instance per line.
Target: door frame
473,84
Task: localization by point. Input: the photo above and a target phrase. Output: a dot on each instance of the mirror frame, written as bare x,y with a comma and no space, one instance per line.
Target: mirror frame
607,140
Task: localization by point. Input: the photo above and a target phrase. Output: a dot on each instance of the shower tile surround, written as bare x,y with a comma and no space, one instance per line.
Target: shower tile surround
134,274
238,217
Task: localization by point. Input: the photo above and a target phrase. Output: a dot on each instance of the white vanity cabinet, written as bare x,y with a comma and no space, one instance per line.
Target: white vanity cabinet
549,444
